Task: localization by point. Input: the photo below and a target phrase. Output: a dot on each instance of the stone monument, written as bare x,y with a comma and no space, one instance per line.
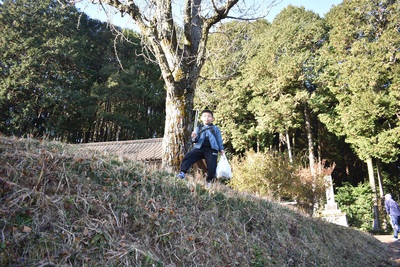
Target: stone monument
331,213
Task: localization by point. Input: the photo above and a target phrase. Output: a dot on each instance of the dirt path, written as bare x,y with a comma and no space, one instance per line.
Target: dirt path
394,246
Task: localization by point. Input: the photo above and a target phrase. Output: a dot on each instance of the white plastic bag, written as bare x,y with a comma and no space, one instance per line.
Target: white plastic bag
223,168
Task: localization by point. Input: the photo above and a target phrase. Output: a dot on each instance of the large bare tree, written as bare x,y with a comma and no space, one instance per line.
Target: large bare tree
176,34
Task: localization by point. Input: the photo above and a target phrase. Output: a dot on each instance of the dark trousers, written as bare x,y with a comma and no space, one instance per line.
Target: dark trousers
193,156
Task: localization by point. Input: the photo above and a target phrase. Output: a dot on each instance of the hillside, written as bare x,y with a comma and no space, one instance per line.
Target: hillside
61,205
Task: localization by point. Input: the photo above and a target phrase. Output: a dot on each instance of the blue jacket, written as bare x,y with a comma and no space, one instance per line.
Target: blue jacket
392,208
215,141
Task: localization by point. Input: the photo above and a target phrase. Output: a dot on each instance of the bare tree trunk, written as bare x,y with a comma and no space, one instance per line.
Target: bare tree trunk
376,224
177,129
100,133
289,148
311,157
293,144
379,174
319,151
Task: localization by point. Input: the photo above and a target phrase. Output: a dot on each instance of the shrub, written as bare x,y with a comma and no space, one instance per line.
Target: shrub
265,174
357,202
270,174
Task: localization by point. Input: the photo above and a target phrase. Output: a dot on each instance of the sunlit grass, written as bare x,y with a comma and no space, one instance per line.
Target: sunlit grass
65,206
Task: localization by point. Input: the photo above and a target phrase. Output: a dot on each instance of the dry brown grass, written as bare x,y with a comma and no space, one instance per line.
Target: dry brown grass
64,206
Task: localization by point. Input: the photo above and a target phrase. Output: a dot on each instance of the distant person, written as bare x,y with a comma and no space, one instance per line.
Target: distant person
208,142
392,209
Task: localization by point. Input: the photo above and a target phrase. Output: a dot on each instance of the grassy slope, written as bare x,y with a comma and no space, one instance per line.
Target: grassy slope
64,206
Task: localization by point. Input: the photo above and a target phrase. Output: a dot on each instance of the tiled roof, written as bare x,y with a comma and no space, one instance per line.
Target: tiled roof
139,150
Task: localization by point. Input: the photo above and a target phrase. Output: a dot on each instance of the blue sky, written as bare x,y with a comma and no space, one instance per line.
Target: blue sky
319,6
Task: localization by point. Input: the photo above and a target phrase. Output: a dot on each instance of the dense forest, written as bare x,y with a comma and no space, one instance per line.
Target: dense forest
323,91
334,79
67,77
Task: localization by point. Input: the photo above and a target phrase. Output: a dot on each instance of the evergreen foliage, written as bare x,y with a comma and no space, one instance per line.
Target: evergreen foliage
227,88
344,74
356,202
61,77
361,74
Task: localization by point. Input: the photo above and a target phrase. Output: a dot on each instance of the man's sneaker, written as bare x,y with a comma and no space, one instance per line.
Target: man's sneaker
181,175
395,239
208,185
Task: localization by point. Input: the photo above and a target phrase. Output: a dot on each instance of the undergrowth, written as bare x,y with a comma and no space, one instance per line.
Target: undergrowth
62,205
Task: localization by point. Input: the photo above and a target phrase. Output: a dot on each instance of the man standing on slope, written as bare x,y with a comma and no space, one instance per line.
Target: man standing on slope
392,209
